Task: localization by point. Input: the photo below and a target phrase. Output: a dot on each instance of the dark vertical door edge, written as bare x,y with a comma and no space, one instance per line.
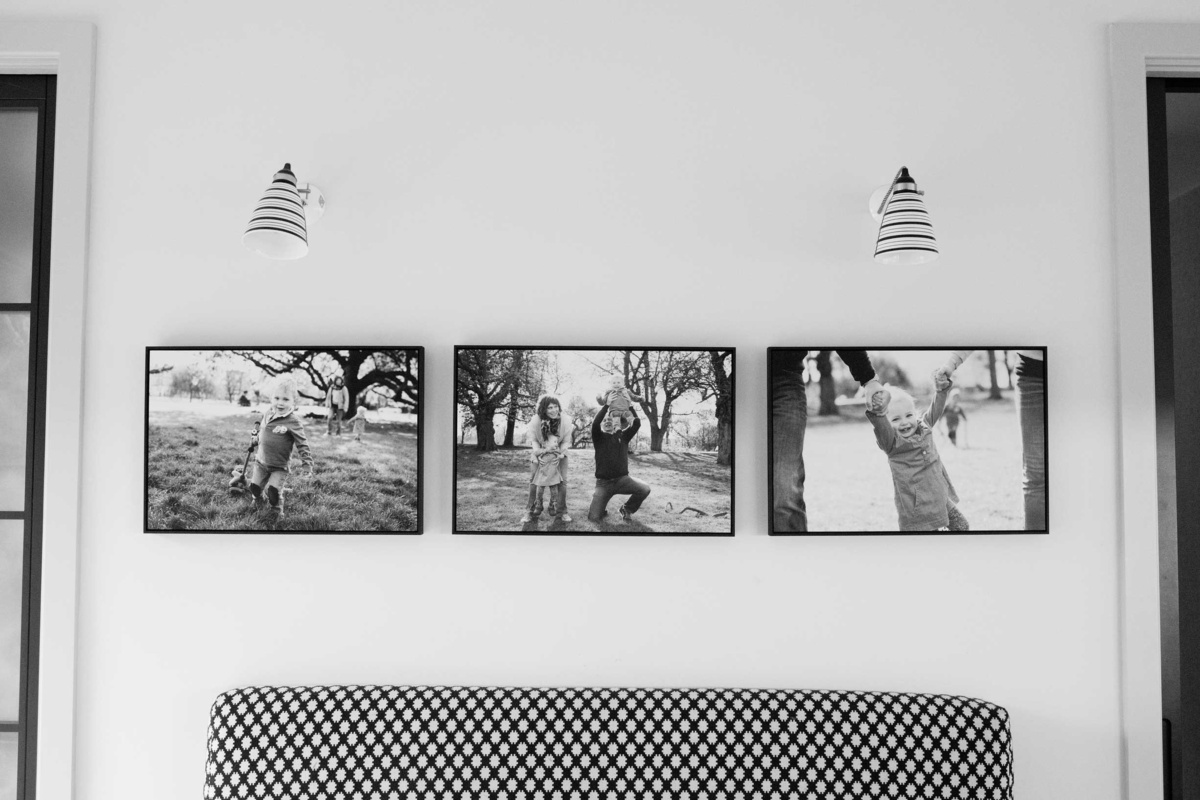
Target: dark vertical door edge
33,92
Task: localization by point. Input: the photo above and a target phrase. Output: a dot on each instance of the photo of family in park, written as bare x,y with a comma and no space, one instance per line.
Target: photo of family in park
594,441
907,441
321,439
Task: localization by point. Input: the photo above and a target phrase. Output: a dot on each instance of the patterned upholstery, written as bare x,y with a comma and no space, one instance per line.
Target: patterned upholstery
352,742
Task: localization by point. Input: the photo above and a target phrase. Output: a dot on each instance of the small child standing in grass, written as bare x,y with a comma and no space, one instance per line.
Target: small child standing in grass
281,431
546,472
953,414
925,497
359,423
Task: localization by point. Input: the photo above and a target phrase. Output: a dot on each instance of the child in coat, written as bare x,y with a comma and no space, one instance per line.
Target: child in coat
280,433
359,423
546,471
925,498
953,414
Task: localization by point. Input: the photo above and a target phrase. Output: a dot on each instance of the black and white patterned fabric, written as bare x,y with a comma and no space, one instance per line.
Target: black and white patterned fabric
383,742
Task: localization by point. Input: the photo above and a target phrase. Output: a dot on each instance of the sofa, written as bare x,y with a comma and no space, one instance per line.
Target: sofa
384,742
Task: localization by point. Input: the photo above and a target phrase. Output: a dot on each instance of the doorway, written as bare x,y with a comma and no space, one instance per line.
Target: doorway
1173,128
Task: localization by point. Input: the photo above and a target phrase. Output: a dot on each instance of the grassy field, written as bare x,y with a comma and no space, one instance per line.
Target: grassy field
848,486
492,489
357,486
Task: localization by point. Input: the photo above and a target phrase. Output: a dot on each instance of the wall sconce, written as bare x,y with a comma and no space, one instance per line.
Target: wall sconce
279,225
905,233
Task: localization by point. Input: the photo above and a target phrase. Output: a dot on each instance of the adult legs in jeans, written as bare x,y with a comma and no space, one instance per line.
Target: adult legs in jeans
789,416
605,489
558,494
1031,411
558,499
958,522
335,422
536,502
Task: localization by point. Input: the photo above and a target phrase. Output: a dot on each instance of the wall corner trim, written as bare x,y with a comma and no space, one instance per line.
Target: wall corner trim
1138,51
66,49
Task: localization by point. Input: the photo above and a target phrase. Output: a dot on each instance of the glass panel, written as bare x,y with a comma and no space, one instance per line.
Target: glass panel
14,399
8,766
18,161
12,547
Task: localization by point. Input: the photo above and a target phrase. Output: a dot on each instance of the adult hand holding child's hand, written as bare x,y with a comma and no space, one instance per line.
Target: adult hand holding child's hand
877,397
942,378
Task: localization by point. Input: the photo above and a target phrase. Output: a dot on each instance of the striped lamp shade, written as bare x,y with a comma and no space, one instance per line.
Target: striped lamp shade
905,233
277,228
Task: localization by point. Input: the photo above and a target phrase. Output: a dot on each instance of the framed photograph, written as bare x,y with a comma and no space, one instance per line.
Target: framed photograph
298,440
594,441
920,440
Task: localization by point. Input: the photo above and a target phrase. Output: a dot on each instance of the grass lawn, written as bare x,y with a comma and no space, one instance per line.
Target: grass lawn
357,486
848,484
688,492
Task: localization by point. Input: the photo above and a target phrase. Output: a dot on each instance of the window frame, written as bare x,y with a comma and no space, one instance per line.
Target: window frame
1137,51
35,93
67,50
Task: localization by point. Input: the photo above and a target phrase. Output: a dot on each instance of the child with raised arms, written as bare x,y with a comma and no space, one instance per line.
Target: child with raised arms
925,497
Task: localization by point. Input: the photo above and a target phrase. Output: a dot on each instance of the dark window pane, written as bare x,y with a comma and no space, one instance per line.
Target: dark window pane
8,766
14,399
12,548
18,161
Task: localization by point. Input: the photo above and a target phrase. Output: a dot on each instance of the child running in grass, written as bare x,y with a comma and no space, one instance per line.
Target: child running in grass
281,431
925,498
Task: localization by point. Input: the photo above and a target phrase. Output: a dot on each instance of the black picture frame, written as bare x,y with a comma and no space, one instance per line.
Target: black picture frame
665,513
840,466
366,496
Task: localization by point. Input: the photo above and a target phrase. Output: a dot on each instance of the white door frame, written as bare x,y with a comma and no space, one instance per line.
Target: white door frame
1138,51
65,49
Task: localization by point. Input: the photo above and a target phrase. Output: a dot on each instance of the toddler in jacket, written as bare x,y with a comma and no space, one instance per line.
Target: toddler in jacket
359,423
546,471
619,401
281,432
925,498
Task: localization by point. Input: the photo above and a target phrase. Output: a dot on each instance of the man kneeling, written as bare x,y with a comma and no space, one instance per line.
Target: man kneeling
612,467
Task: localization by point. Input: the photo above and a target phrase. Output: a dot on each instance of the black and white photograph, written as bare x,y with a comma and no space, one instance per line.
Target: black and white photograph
594,441
923,440
317,440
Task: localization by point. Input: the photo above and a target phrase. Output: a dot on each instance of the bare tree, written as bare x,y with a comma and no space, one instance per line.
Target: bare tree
661,377
827,386
581,413
485,379
527,375
994,392
234,383
192,382
389,373
721,387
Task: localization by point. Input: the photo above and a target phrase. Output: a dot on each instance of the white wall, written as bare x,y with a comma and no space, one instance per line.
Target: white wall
480,157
